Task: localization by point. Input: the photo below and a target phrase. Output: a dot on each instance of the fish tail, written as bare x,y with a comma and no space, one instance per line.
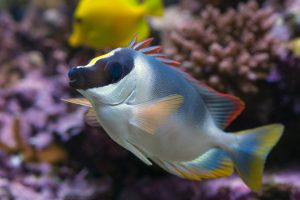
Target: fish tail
153,7
251,150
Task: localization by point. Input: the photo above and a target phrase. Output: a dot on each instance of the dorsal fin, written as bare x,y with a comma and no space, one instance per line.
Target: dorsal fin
153,51
224,108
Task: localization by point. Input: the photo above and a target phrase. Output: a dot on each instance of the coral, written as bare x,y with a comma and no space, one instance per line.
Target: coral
32,82
38,131
284,185
45,186
232,52
7,31
196,6
277,186
286,82
36,96
36,127
287,25
286,6
52,153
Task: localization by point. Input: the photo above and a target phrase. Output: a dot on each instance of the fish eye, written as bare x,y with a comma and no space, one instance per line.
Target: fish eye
78,20
116,71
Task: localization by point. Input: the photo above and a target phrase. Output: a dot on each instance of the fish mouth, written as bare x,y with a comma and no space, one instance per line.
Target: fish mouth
73,83
77,84
76,79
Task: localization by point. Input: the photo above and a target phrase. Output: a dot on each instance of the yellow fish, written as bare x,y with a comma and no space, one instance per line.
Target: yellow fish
111,23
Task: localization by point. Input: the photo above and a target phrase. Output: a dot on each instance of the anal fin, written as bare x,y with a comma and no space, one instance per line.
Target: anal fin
137,152
214,163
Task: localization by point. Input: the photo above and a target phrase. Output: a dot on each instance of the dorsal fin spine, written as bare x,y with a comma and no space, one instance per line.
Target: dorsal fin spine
153,51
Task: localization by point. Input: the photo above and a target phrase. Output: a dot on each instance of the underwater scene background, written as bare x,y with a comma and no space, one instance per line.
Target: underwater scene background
250,49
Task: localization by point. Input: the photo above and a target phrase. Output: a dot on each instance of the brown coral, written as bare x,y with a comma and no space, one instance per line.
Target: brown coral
232,52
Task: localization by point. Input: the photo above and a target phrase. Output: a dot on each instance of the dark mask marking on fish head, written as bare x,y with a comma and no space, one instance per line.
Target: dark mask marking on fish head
102,72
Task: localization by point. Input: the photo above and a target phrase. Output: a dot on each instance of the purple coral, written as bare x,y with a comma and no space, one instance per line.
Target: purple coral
32,87
284,185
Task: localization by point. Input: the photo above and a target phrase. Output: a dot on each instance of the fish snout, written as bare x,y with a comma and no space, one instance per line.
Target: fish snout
76,79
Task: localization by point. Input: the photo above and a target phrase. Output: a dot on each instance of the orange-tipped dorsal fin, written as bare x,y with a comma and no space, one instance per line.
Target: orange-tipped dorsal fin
154,51
224,108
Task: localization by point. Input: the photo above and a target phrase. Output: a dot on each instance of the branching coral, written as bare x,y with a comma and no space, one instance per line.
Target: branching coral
232,52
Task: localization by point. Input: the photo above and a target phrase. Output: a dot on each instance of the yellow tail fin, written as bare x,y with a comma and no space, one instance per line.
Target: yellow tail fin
251,150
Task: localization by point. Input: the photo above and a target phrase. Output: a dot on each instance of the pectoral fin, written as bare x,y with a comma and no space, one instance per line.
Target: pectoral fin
79,101
90,115
151,115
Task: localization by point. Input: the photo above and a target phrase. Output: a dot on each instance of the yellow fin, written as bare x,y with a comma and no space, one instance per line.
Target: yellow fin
149,116
90,118
79,101
213,164
251,151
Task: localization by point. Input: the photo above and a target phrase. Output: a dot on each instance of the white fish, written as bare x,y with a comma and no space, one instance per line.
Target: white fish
162,115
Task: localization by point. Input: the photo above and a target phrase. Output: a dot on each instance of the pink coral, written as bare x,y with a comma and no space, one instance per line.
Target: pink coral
231,51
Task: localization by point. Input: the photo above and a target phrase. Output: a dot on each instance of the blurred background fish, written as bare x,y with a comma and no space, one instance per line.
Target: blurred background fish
100,24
